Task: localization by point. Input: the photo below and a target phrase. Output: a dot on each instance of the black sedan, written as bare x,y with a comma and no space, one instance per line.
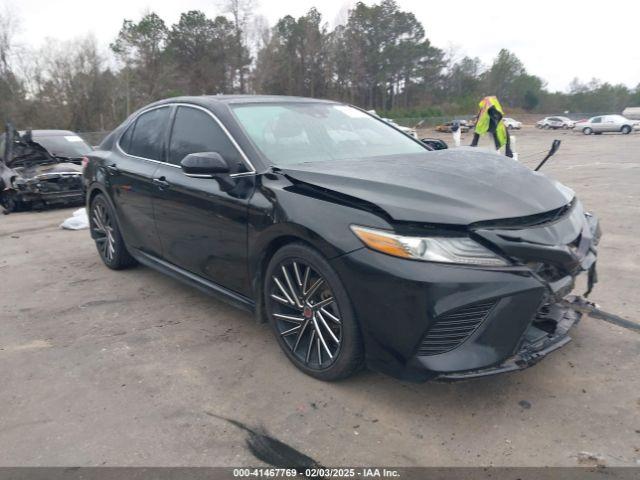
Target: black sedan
357,243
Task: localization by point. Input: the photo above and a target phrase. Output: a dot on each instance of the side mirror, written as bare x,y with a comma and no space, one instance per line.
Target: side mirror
435,143
204,165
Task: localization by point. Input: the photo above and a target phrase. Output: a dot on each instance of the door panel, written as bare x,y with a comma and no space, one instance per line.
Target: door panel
202,229
597,125
130,181
131,177
610,125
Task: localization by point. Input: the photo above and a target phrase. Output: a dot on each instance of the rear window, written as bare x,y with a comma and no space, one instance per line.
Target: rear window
147,136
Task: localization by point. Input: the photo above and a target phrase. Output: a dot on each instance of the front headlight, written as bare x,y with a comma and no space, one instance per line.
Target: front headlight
460,250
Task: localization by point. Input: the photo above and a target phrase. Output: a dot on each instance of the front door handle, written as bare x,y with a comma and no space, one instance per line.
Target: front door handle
112,169
161,183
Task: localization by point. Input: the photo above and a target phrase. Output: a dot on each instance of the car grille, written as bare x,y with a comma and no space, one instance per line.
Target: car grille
453,328
529,221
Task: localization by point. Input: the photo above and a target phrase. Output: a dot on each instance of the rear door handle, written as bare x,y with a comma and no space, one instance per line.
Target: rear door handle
161,183
112,169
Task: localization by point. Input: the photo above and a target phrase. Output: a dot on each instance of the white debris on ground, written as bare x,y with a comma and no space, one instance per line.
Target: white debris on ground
78,221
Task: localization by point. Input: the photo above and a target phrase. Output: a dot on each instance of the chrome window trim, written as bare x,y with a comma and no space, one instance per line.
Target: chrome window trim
252,169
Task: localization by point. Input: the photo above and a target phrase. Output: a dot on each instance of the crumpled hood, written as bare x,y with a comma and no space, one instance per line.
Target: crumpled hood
459,186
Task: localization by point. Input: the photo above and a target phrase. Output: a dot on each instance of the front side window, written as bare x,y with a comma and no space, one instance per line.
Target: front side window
597,120
147,137
196,131
288,133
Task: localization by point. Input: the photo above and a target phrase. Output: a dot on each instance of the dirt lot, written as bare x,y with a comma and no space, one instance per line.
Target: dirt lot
131,368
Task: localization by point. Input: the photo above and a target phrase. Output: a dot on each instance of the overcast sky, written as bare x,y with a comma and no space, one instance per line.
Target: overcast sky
556,40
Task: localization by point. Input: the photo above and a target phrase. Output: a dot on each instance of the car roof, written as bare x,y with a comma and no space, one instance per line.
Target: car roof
49,133
211,100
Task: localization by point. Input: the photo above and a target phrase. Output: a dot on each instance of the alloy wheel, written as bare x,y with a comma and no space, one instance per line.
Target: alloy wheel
306,314
102,226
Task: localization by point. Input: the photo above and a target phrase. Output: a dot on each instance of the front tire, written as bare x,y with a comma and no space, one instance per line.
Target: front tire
106,234
626,129
587,131
311,314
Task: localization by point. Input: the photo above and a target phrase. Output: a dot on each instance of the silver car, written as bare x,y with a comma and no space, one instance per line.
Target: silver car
555,122
511,123
605,123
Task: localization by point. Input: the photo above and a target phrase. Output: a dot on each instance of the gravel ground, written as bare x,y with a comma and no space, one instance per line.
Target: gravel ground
133,368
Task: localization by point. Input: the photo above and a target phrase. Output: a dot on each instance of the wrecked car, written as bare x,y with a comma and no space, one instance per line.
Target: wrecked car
41,168
449,126
358,244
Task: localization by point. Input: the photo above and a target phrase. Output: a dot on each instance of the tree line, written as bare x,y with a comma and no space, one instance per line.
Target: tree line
379,57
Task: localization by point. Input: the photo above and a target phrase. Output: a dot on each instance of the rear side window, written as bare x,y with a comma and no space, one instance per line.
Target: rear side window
147,137
195,131
2,147
125,139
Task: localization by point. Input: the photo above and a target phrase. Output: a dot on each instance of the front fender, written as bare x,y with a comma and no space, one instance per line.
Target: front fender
280,214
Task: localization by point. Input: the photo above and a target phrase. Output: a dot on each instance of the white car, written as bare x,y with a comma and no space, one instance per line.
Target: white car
407,130
555,123
606,123
512,124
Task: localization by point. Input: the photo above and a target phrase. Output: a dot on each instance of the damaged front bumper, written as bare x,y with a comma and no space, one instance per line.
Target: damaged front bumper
536,342
438,321
51,189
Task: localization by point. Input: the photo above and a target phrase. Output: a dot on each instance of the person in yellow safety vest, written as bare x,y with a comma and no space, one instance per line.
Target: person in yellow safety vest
489,119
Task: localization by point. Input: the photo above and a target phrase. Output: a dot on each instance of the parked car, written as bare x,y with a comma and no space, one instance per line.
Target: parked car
632,113
512,124
41,168
606,123
447,127
555,123
355,242
407,130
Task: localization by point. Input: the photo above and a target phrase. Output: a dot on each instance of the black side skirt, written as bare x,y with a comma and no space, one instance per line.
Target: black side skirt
194,280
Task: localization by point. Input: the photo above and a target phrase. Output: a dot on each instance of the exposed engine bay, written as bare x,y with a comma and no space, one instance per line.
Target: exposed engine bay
33,177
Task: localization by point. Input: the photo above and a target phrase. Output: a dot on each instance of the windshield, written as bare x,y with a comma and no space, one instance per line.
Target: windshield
68,146
288,133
